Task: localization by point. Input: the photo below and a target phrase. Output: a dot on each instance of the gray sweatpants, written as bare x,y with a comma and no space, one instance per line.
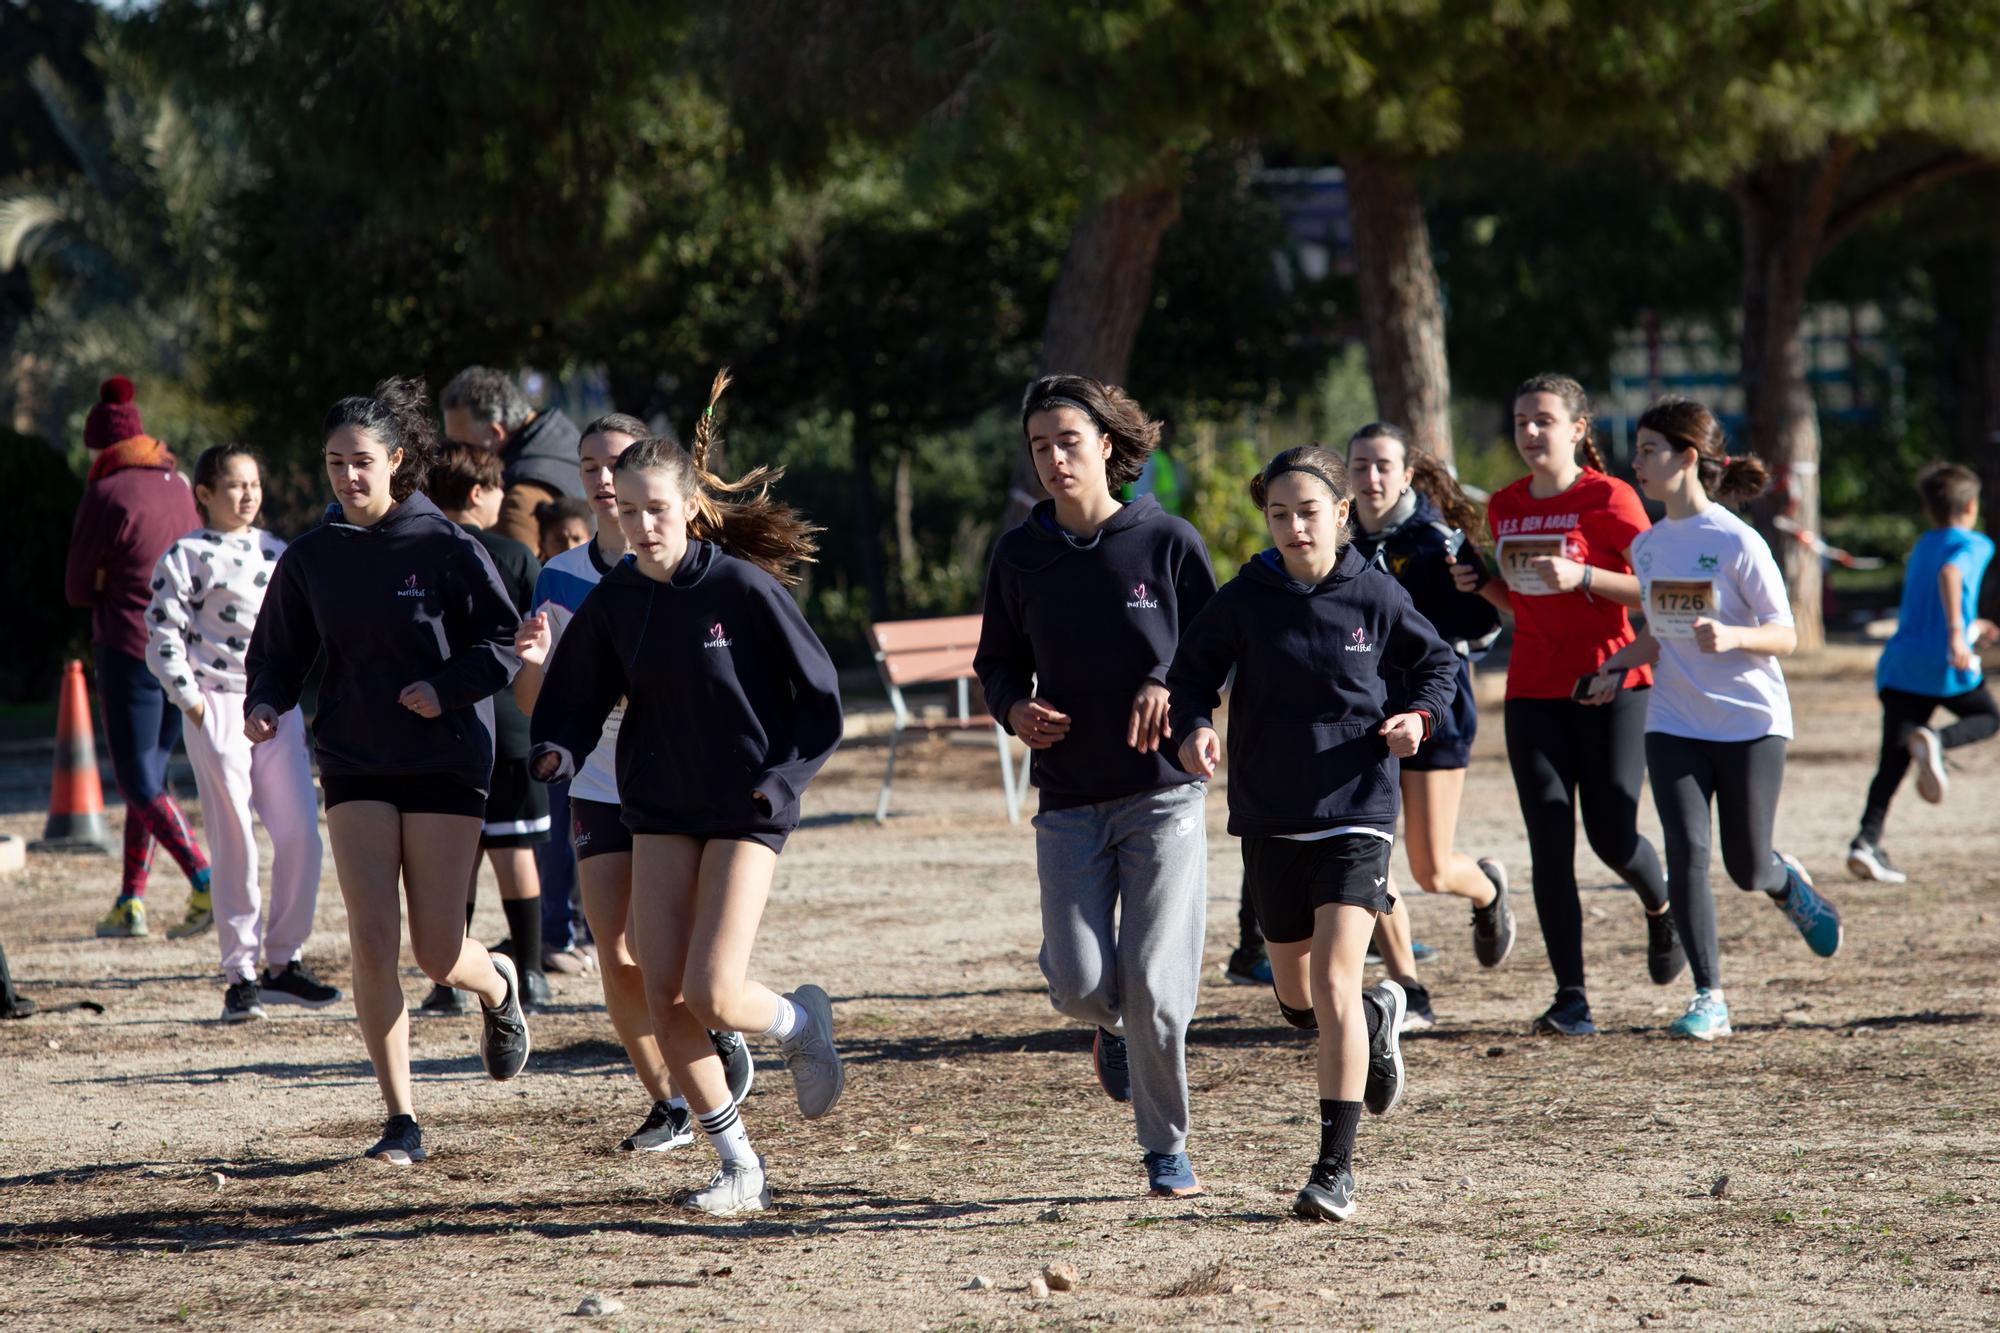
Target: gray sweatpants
1143,858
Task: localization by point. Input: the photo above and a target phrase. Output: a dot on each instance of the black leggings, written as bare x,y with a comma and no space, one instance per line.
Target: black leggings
1902,713
1564,754
1742,778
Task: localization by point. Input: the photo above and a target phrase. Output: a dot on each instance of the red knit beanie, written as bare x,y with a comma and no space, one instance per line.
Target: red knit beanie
114,418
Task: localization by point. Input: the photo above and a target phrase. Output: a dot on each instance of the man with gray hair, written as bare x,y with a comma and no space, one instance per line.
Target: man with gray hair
487,409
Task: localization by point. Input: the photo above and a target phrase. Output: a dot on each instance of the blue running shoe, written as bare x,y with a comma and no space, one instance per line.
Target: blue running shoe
1114,1075
1569,1016
1816,918
1707,1017
1419,953
1170,1175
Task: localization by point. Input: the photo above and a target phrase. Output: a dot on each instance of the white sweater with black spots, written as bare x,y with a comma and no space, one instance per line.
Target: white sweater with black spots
207,590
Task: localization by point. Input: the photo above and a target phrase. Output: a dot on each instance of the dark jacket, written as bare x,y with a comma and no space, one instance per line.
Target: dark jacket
518,570
413,598
545,452
1318,670
1416,552
1084,627
727,692
129,516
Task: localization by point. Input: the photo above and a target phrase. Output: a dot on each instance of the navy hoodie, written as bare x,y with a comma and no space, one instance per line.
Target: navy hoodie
1416,552
1310,692
727,692
412,598
1090,624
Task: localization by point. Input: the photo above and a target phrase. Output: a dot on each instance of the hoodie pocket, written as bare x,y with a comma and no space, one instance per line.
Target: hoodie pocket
1311,771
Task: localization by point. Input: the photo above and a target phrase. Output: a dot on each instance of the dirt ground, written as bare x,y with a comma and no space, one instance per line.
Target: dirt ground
1522,1184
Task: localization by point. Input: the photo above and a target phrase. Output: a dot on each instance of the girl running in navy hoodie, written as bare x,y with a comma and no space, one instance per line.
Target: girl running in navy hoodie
417,634
1337,677
1084,602
1411,521
731,707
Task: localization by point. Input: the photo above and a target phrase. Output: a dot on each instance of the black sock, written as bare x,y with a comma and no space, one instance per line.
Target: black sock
524,926
1338,1122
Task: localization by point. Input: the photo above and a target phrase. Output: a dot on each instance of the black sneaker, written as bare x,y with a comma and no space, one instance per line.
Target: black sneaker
295,985
402,1142
503,1039
535,992
1493,924
1248,966
443,1002
1114,1075
1569,1016
1665,959
1417,1015
1865,860
667,1126
1385,1048
239,1002
1328,1195
737,1066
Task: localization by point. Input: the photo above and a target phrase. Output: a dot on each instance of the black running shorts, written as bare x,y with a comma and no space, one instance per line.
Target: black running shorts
1289,880
517,809
596,829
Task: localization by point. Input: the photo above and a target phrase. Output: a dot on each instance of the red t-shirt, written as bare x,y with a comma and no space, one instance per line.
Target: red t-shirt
1560,636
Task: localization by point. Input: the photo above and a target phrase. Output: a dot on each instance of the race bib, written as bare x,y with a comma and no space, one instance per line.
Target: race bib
1673,605
1517,563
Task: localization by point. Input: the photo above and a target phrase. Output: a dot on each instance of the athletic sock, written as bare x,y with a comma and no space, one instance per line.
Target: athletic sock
678,1103
163,819
138,856
788,1021
524,927
726,1133
1338,1122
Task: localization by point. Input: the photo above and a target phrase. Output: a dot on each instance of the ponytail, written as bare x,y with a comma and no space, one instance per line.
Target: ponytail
398,415
739,516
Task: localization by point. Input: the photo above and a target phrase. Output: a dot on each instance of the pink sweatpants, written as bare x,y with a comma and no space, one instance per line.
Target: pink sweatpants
274,780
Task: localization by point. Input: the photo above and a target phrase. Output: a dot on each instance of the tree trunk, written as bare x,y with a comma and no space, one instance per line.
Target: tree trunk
1101,295
1987,456
1783,209
1400,303
867,527
907,564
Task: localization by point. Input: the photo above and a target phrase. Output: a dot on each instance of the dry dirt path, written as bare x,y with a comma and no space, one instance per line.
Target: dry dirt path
1522,1184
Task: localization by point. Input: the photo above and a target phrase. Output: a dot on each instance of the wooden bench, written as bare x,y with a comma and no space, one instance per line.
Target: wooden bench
936,652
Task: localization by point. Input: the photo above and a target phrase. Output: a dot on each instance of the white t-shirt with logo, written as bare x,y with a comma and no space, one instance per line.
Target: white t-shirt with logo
1732,696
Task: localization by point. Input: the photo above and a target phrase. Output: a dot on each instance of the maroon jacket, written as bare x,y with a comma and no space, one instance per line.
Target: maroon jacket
134,508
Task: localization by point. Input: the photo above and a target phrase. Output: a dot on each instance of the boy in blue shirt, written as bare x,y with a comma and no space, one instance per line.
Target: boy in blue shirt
1931,660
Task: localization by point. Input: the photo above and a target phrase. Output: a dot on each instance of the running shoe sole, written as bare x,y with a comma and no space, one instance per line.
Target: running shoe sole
240,1015
819,1012
1392,1029
1804,881
192,926
1496,874
265,996
1928,754
1708,1034
396,1156
1863,864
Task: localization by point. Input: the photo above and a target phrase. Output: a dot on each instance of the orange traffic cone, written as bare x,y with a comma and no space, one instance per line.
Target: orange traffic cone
76,797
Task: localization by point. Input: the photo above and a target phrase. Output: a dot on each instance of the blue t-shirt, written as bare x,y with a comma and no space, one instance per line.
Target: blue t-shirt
1917,658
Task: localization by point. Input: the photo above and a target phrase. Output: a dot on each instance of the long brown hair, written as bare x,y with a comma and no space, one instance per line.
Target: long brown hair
1132,433
1428,476
1576,401
1688,424
740,516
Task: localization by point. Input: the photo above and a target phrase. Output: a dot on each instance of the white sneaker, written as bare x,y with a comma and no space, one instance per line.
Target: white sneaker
817,1075
1928,754
1867,861
736,1187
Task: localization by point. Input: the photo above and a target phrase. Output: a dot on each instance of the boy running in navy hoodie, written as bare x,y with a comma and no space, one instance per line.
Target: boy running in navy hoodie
1084,602
1337,676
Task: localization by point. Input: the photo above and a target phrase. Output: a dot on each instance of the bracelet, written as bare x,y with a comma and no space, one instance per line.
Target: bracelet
1587,572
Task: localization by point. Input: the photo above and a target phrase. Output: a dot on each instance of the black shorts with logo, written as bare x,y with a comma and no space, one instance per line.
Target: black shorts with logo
596,829
1288,880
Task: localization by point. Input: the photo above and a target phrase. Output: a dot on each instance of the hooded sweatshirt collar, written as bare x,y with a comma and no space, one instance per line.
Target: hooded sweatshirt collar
693,568
407,513
1051,543
1268,567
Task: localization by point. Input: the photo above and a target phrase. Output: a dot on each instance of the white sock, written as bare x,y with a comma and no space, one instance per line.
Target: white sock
678,1103
726,1133
789,1021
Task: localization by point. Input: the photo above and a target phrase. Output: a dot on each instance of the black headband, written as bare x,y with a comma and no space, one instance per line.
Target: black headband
1057,400
1306,468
